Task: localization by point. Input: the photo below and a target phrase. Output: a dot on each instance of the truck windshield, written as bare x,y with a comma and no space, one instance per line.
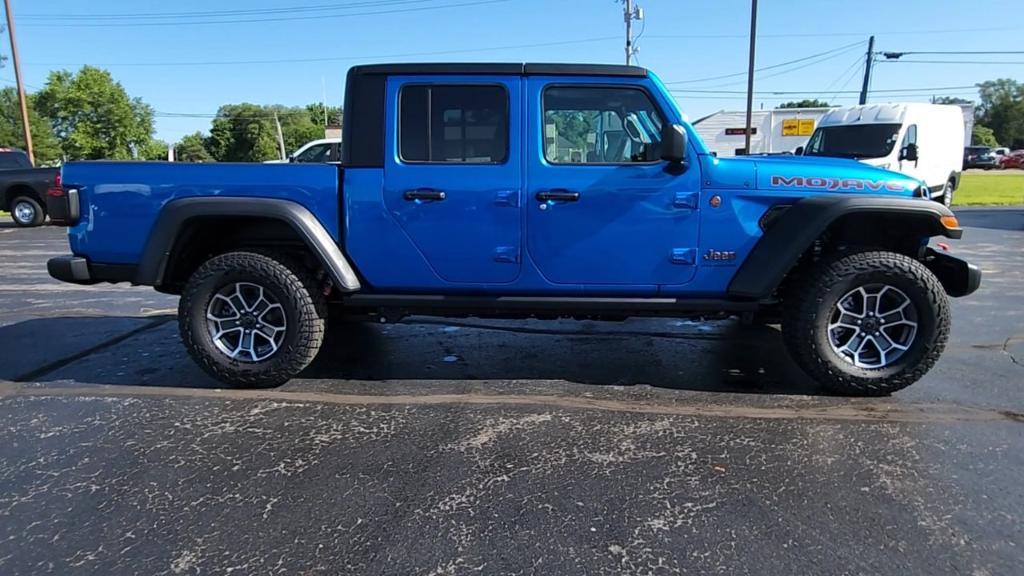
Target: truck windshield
853,141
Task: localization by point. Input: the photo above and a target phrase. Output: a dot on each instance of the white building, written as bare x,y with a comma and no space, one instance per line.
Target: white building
773,131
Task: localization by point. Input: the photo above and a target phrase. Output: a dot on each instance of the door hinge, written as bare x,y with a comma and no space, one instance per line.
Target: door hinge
685,200
508,254
686,256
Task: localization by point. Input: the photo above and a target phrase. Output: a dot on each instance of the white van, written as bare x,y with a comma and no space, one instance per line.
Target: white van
925,141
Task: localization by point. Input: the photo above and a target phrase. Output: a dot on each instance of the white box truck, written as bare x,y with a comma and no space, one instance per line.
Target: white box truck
925,141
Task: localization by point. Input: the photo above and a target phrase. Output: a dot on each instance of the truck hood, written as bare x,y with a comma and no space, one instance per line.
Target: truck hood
805,174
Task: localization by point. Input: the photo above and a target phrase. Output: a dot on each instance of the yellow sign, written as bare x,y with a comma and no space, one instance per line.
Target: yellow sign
797,126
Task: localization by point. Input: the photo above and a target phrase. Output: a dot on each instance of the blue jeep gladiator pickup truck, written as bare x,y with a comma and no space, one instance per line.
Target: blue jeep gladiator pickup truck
512,190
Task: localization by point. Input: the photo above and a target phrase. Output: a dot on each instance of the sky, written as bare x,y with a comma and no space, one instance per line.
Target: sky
199,54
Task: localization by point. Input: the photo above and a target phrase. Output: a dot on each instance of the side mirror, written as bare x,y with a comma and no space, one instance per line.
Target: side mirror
673,144
799,151
909,153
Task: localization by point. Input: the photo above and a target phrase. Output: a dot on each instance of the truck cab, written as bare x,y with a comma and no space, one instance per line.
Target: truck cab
523,190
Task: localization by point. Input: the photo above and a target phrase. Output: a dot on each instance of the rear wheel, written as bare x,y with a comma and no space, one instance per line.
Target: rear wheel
867,323
251,319
26,211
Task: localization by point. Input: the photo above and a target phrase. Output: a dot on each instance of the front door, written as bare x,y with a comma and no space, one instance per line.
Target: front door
603,209
453,180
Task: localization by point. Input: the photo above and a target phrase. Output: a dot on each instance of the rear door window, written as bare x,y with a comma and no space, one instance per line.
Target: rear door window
453,124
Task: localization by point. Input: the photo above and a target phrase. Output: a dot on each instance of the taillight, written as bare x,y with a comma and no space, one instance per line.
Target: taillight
55,188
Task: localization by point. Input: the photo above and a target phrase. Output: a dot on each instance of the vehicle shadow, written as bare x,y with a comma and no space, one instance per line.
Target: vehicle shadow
429,354
992,218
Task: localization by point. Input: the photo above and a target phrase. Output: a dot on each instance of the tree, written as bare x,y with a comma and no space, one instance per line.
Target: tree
153,150
192,148
806,103
1001,108
298,126
44,143
242,133
950,100
316,113
247,132
983,136
93,116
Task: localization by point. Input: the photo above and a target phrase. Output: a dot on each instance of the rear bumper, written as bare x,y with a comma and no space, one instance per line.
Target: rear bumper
958,277
78,270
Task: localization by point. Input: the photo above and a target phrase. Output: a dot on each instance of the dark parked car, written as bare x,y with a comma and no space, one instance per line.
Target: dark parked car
23,188
980,157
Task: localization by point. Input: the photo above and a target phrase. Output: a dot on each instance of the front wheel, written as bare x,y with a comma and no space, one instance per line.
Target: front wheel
947,194
26,212
867,323
252,320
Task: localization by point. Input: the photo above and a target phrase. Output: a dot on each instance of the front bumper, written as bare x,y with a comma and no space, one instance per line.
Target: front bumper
957,276
78,270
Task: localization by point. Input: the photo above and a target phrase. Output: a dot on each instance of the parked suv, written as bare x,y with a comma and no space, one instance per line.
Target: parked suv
980,157
23,188
512,190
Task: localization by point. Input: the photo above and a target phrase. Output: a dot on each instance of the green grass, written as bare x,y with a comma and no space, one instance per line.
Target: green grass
990,189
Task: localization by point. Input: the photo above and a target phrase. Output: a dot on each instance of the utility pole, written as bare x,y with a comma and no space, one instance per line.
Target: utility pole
630,13
280,137
750,73
21,85
867,70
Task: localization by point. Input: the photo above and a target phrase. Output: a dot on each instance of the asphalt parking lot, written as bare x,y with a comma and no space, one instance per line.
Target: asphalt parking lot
500,447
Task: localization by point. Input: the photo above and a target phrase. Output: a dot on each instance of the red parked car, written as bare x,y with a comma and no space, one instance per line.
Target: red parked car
1014,159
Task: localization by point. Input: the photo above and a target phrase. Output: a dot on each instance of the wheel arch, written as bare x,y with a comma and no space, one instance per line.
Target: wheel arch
223,223
899,224
17,189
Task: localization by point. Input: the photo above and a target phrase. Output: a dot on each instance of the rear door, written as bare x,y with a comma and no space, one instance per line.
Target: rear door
453,174
602,209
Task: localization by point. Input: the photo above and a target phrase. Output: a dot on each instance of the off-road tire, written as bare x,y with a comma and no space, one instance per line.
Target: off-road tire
292,285
808,306
38,214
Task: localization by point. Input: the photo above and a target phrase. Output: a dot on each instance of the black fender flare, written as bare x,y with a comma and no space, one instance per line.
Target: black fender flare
173,217
793,232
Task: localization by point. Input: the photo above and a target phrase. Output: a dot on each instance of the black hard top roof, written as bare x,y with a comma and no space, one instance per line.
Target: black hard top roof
501,69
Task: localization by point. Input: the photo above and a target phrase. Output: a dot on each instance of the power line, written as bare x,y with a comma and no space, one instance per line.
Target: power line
51,23
846,82
217,13
835,51
1015,62
347,58
951,52
928,90
857,63
836,34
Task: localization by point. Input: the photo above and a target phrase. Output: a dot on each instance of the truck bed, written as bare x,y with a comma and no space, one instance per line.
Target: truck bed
120,201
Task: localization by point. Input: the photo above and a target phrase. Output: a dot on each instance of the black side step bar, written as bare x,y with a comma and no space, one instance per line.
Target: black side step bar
542,304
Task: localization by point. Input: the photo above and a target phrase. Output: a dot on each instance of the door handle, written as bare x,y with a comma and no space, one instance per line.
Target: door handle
427,194
558,195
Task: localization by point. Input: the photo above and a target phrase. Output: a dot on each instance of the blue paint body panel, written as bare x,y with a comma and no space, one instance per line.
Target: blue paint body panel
120,201
636,230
